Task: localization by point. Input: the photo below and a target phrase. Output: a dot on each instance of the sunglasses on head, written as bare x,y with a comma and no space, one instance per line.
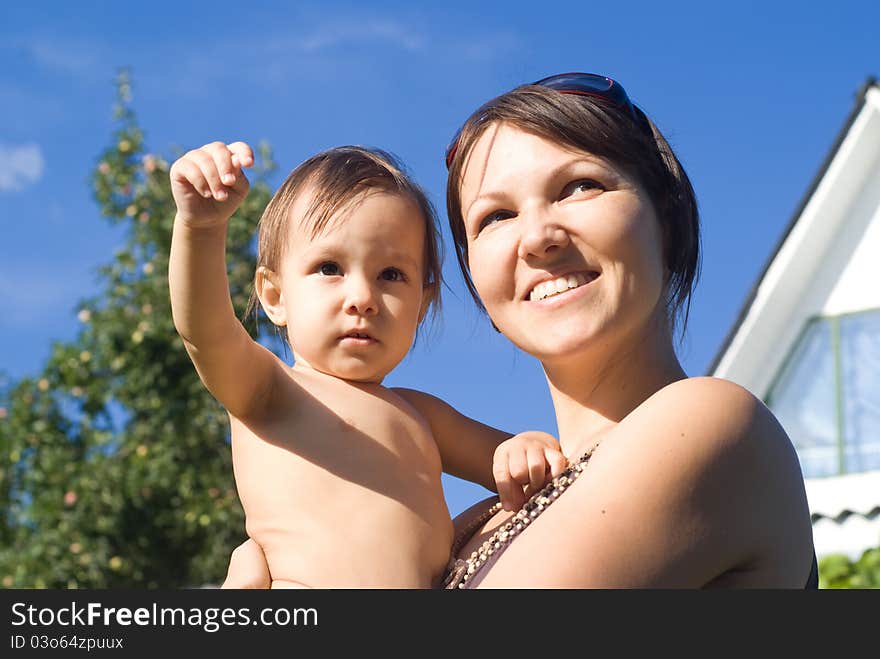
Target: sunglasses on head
580,84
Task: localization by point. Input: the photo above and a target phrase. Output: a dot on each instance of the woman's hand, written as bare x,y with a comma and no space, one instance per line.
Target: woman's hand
208,184
248,568
523,464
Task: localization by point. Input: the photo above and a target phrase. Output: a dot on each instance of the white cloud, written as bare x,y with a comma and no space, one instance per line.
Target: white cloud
312,50
489,47
20,166
318,46
390,32
69,56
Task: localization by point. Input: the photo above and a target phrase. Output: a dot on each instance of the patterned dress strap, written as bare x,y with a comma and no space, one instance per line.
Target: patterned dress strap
459,570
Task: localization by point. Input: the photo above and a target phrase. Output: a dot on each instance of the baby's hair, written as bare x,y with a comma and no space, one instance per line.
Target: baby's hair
335,178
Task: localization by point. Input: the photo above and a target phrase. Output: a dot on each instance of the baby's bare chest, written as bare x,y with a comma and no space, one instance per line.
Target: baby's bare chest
343,427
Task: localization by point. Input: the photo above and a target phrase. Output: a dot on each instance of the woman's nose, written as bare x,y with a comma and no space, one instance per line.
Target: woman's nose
360,298
541,234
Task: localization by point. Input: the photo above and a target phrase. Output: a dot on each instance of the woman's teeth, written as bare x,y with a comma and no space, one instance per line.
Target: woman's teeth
559,285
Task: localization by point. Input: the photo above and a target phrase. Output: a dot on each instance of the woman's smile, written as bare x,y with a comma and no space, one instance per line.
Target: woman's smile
557,286
563,298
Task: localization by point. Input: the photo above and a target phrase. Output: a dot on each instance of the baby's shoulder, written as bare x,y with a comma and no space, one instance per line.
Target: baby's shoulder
304,396
421,405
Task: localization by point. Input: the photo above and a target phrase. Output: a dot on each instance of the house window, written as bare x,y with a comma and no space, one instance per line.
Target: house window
827,395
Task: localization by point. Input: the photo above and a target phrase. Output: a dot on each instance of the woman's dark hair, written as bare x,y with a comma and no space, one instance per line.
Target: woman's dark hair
601,128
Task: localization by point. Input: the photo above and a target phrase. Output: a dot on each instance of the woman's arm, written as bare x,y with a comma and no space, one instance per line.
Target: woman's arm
700,481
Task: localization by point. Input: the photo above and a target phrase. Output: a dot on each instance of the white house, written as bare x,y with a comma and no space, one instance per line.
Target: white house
807,339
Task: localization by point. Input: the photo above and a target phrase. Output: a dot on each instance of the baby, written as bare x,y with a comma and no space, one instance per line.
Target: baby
339,476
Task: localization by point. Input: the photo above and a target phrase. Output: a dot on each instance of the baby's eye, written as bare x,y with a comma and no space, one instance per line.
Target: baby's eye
392,274
581,186
493,217
329,269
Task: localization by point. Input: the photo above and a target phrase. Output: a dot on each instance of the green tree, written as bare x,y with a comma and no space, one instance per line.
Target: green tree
839,571
115,465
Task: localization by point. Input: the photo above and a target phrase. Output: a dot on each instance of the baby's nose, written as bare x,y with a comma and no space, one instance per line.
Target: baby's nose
360,297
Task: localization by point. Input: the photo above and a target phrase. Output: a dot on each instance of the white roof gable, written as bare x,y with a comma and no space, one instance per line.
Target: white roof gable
827,263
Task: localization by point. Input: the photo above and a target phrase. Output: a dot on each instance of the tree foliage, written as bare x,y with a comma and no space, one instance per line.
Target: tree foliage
839,571
115,465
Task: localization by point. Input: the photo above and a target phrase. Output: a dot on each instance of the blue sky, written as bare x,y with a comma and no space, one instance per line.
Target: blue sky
750,94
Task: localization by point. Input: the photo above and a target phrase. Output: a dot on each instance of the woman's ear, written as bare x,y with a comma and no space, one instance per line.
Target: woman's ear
268,286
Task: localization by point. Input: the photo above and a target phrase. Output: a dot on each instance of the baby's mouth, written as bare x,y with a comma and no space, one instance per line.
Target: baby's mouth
362,337
560,285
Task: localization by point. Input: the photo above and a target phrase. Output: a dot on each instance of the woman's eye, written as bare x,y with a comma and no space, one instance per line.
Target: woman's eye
581,186
492,218
392,274
329,269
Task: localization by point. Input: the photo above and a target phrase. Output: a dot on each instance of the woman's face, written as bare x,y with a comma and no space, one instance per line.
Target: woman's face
564,247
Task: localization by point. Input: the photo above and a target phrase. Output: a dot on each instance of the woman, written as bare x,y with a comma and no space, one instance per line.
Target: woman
577,231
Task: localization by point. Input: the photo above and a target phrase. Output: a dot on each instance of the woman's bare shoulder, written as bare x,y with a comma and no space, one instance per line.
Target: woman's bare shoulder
715,396
711,413
706,427
698,481
722,463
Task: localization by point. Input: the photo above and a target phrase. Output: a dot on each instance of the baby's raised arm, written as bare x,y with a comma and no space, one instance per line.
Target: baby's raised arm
208,185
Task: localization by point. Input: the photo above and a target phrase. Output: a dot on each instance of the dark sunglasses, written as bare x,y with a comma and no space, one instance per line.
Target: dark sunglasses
580,84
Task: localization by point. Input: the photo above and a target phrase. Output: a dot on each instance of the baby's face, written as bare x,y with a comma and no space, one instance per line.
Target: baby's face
353,294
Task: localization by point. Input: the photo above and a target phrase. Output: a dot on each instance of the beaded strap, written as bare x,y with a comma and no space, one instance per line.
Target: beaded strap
459,570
